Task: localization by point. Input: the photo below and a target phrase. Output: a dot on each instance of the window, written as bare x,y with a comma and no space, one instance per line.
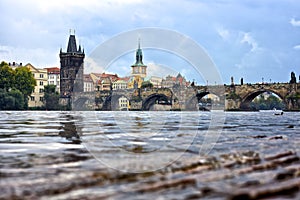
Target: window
31,98
41,98
41,83
41,90
41,75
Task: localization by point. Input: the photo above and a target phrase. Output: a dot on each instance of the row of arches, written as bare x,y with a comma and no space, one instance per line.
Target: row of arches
200,101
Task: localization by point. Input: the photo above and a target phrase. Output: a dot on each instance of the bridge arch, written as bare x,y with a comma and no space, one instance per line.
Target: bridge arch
112,102
193,102
153,99
245,103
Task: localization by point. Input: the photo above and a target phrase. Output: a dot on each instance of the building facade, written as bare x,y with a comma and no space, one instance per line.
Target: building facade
123,103
120,84
71,70
172,81
103,82
36,99
156,81
88,84
54,77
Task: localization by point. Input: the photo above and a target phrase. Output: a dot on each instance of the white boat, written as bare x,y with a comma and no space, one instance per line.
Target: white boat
278,112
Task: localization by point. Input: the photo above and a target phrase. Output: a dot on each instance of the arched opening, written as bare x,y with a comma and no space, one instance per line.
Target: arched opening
263,100
204,101
116,103
207,101
157,102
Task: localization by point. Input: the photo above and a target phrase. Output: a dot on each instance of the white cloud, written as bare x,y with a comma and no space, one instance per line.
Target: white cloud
35,30
223,33
295,22
297,47
38,57
159,70
248,39
90,65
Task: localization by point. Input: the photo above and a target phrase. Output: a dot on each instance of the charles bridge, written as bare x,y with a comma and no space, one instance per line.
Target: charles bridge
230,97
178,97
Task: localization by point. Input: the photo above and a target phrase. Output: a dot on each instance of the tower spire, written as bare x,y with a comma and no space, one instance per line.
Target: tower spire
139,54
72,47
139,45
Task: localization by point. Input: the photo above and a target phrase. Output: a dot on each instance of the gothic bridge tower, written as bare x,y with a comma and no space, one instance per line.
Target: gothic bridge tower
71,71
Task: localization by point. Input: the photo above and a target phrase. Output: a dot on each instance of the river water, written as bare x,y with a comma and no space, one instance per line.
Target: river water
149,155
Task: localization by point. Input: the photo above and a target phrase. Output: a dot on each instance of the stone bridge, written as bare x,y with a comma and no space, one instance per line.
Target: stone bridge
239,97
230,97
138,99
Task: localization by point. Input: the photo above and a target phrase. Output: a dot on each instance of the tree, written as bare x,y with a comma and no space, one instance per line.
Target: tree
260,103
51,98
146,84
11,100
16,86
6,76
24,81
19,103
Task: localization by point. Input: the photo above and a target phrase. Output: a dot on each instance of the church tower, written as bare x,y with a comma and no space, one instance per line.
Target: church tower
71,70
139,69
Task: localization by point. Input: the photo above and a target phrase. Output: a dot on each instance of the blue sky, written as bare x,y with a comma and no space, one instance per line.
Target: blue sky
253,39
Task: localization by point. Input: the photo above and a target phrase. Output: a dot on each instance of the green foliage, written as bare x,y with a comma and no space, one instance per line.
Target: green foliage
11,100
24,81
6,76
232,95
16,86
146,84
267,104
295,96
51,98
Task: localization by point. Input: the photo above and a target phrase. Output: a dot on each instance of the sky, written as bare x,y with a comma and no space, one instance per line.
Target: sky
251,39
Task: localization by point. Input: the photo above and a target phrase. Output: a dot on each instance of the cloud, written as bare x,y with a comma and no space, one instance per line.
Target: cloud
297,47
228,30
248,39
36,56
90,65
295,22
223,33
160,70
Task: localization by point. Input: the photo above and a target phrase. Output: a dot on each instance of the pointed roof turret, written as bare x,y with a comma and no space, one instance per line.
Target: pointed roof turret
72,44
139,55
179,75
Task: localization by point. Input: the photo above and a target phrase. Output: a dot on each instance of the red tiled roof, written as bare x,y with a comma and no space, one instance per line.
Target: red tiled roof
112,77
53,70
124,78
